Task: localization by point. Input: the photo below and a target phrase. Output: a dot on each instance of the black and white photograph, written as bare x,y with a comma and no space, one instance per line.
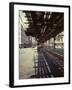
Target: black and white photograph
41,44
40,40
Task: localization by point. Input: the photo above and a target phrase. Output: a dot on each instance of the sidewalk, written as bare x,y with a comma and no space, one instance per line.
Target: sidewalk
26,63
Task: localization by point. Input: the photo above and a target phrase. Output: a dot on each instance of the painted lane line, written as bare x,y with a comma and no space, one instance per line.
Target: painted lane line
47,65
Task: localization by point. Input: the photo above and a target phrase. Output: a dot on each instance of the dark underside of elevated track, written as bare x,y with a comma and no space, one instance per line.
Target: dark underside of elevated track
44,25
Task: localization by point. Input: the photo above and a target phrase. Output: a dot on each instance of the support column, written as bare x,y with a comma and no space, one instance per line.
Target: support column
54,42
49,42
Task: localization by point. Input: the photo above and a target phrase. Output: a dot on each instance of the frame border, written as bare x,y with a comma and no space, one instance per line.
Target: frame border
11,43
